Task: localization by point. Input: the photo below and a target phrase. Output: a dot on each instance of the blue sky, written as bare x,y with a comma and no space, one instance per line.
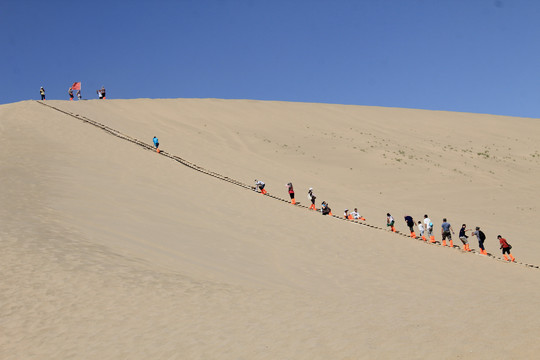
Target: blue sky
479,56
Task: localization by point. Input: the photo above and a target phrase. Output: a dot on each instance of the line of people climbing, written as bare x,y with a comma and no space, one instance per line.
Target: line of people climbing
446,234
425,228
446,228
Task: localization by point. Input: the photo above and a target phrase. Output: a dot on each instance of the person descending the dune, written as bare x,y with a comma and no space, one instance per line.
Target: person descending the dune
259,186
290,189
325,209
464,238
156,144
505,247
346,215
390,222
70,93
311,198
446,228
481,238
42,93
410,223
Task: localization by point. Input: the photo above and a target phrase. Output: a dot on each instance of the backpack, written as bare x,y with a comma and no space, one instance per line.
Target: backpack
481,235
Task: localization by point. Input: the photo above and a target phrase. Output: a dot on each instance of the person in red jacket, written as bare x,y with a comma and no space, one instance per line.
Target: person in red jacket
505,246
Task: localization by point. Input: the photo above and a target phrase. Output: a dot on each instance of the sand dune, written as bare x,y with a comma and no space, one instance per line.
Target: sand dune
112,251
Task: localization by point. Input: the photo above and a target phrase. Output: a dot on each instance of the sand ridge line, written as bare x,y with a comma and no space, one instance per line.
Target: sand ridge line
196,167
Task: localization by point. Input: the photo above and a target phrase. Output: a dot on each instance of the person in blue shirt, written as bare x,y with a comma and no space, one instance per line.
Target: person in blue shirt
156,143
446,228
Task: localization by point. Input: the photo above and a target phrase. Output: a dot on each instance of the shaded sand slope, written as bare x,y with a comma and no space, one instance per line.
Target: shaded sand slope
112,251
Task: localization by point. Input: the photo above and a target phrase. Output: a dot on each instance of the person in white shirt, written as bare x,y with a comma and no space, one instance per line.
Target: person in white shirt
428,225
421,229
390,222
356,215
427,220
259,186
311,196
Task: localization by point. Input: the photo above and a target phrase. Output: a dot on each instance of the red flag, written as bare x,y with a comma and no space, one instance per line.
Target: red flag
76,86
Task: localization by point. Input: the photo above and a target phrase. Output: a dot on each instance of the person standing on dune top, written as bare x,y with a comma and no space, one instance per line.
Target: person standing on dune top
101,93
42,93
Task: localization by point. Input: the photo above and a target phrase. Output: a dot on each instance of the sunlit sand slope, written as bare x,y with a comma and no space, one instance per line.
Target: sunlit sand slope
109,250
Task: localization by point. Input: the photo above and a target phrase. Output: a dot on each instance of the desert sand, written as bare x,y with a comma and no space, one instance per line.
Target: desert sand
109,250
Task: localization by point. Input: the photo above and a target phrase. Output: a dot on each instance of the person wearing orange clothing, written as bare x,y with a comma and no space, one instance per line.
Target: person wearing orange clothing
505,247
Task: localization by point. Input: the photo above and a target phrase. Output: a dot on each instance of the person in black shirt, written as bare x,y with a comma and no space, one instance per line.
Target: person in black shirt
464,238
481,238
410,223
